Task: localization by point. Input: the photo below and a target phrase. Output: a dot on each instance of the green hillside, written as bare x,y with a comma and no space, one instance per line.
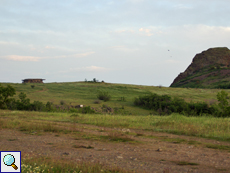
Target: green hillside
76,93
209,69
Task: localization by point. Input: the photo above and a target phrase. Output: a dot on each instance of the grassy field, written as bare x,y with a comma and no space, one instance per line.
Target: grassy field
207,127
38,123
76,93
135,118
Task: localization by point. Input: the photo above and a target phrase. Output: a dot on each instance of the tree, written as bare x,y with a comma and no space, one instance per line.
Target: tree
23,99
5,93
223,103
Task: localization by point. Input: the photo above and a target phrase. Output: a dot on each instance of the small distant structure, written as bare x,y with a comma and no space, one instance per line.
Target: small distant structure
32,80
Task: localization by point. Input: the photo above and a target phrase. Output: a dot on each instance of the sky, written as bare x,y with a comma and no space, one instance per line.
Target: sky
142,42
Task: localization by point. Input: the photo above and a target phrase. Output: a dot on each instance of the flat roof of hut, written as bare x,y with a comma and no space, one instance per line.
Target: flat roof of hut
32,80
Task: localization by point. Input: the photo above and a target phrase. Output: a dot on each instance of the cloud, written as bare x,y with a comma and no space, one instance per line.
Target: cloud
86,69
125,31
91,69
147,32
8,43
22,58
123,48
95,69
50,47
35,58
135,1
83,54
182,6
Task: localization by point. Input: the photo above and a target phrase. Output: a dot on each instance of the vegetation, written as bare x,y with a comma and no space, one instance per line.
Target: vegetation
46,164
153,103
103,96
126,112
166,105
204,126
209,69
5,94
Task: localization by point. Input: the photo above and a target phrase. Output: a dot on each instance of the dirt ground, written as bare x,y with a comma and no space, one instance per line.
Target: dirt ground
149,151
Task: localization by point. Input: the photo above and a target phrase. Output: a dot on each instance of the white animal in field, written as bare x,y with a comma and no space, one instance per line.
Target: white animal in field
79,106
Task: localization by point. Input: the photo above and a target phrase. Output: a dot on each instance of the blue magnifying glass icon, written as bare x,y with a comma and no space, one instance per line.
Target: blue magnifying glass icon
9,160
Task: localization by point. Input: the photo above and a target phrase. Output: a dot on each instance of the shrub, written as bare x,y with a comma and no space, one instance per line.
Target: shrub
121,99
165,105
87,110
37,106
223,103
62,102
5,93
103,96
97,102
49,106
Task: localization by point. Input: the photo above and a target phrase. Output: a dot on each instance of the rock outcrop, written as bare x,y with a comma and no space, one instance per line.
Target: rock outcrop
209,69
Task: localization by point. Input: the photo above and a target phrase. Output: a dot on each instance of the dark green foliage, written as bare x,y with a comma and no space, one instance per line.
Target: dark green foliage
223,86
23,99
103,95
122,99
87,110
84,110
49,106
37,106
97,102
187,163
223,104
24,104
93,81
160,103
165,105
62,102
5,93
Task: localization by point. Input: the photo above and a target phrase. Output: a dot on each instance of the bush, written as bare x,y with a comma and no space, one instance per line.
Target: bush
62,102
87,110
103,96
165,105
97,102
223,104
37,106
5,93
121,99
49,106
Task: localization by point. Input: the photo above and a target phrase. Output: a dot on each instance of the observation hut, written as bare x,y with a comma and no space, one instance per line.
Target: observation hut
32,80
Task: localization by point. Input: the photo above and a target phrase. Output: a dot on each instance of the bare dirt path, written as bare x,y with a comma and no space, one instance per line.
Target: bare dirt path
146,151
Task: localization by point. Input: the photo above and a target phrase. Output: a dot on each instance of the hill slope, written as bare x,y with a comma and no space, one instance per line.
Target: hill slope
76,93
209,69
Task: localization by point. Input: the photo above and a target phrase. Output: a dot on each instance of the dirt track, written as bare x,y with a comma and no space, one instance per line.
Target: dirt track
149,151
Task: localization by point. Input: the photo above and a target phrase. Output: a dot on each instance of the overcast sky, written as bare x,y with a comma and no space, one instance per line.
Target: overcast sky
144,42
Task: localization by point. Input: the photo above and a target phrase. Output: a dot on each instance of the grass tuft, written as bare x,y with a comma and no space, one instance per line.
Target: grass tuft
186,163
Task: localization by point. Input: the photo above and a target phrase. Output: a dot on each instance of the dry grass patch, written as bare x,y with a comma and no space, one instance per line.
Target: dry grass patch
219,147
81,146
117,137
61,165
185,163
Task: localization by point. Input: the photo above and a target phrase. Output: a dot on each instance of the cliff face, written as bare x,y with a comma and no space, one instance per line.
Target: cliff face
209,69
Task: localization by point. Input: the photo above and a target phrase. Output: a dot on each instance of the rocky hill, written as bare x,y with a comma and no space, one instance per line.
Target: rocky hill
209,69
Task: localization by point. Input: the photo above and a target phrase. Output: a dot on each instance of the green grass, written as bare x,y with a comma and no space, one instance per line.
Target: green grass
49,165
117,137
220,147
76,93
186,163
207,127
